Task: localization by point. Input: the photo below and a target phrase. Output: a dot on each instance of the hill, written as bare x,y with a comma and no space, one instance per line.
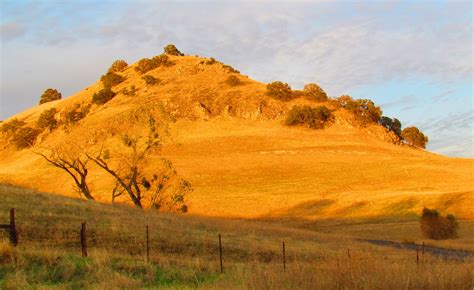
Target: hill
231,144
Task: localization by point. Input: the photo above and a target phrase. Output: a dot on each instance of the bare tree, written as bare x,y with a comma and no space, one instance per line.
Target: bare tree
117,191
125,178
128,165
73,163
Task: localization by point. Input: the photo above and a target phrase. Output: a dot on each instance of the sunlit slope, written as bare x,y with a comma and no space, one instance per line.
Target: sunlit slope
231,144
265,169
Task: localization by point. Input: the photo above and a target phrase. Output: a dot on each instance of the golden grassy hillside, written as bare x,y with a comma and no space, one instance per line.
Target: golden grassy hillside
231,144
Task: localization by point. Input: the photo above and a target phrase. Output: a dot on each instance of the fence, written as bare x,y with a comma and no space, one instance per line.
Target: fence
84,238
11,227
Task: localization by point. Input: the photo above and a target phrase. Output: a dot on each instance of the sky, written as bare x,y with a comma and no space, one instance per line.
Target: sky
413,58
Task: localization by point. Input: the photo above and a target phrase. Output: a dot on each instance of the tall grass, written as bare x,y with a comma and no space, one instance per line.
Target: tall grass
184,252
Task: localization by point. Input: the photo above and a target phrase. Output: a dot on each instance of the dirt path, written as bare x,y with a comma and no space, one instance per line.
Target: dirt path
440,252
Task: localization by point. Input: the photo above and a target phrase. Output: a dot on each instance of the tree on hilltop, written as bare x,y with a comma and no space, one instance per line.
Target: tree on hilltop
172,50
280,91
118,66
413,136
315,92
393,125
50,95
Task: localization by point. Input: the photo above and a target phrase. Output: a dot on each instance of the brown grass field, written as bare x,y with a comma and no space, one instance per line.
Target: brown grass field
184,251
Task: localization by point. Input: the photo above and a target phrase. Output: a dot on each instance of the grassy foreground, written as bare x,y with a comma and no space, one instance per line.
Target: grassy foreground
184,252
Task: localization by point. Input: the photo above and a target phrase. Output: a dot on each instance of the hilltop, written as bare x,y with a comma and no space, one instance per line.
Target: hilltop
232,145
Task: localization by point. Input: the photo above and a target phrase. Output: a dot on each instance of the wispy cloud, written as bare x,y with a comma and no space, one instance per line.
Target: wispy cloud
342,46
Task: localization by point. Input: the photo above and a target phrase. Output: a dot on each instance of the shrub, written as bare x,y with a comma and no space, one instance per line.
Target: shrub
172,50
129,92
76,114
25,137
111,79
296,94
9,128
315,92
344,100
414,137
118,66
393,125
150,80
436,227
211,61
233,81
50,95
364,109
230,69
146,64
279,91
103,96
46,120
314,118
161,60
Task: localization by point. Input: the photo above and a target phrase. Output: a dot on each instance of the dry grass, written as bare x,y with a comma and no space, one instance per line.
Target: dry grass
184,252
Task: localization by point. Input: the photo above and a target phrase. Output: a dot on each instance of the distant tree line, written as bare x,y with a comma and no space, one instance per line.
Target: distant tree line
365,111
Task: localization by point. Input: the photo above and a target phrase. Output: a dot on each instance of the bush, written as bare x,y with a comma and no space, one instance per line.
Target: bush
161,60
172,50
129,92
279,90
46,120
118,66
233,81
230,69
211,61
25,137
297,94
150,80
344,100
414,137
393,125
9,128
103,96
146,64
434,226
315,92
76,114
364,109
314,118
111,79
50,95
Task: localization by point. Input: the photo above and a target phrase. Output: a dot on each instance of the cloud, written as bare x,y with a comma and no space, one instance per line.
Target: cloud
340,45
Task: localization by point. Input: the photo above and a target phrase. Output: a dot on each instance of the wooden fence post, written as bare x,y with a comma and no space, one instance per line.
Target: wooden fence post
423,253
84,239
13,232
147,246
220,253
284,257
417,257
